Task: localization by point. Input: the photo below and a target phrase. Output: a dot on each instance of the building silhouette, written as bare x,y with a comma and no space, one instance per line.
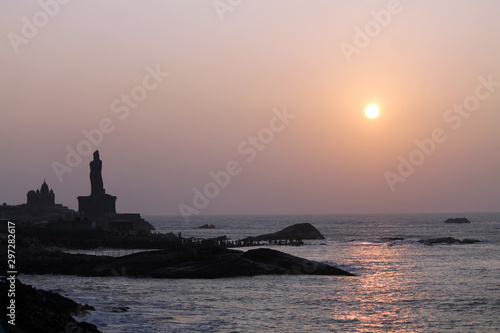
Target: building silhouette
41,197
40,206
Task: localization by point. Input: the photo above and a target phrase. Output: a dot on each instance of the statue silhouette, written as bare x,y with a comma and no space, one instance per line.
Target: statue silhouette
96,183
98,203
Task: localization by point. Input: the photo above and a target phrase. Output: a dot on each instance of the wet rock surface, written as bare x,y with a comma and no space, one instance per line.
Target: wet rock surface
43,311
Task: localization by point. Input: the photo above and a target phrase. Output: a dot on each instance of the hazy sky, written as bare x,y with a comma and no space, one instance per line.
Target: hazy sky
433,68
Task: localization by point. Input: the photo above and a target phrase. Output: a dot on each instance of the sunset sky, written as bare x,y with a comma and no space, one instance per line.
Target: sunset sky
181,89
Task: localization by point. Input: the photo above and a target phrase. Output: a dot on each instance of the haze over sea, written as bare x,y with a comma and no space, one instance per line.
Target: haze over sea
401,285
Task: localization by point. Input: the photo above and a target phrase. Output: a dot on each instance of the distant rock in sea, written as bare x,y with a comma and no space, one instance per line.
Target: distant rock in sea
457,220
297,231
447,240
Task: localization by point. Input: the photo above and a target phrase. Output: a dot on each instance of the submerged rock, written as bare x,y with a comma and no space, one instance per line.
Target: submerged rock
120,309
447,240
457,220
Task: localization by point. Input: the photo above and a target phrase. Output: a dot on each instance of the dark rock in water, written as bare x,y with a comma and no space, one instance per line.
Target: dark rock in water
40,261
389,239
457,220
187,262
44,311
209,265
231,263
120,309
447,240
469,241
217,239
292,264
296,231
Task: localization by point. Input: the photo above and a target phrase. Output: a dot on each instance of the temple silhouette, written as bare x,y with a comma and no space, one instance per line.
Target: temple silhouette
40,203
42,197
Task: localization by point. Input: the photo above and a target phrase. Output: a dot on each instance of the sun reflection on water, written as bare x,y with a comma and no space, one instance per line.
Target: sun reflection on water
382,291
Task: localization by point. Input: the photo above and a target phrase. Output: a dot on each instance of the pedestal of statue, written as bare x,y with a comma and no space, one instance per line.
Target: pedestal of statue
96,205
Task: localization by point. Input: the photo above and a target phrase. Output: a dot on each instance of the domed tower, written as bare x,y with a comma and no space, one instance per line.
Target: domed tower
46,197
32,198
52,197
44,190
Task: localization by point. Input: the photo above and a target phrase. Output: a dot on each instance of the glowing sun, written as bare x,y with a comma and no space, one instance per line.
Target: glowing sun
372,111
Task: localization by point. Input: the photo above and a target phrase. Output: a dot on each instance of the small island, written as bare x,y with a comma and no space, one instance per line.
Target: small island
457,220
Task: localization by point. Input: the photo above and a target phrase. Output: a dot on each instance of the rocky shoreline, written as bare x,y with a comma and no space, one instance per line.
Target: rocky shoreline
174,257
43,311
179,258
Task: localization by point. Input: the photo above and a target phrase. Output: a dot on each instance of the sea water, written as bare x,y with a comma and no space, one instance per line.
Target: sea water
401,284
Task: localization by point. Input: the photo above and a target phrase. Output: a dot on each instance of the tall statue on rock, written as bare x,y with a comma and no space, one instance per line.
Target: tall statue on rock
98,203
96,184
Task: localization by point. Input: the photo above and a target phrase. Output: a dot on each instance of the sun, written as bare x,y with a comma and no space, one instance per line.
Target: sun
372,111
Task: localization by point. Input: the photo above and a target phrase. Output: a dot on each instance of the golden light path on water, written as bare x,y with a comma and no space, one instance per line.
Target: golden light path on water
382,290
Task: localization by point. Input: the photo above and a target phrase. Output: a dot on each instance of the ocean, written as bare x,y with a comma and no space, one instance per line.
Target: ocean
401,284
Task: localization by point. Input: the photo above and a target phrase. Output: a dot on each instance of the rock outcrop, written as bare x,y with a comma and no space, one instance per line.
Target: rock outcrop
457,220
188,262
253,262
44,311
207,263
299,231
